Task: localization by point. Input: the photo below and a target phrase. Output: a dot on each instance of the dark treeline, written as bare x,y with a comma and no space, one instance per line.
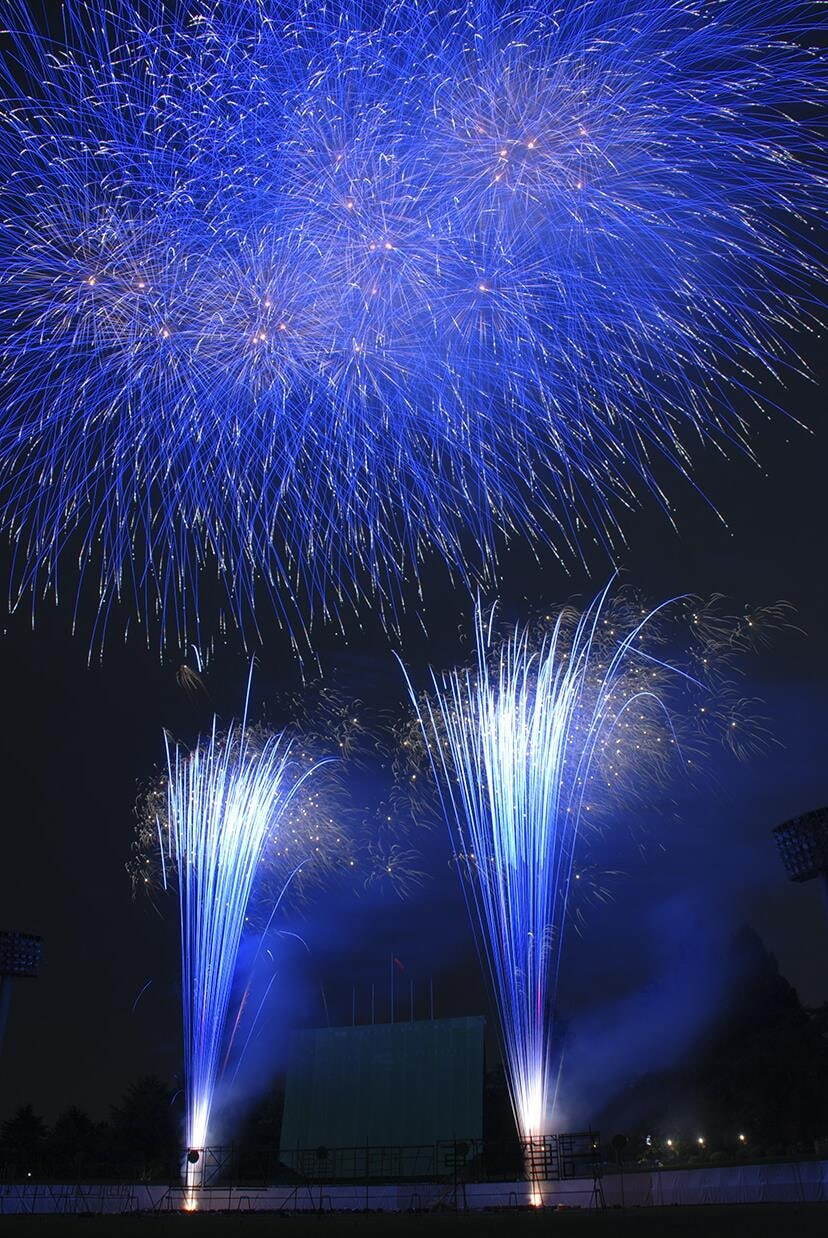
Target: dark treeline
756,1084
139,1140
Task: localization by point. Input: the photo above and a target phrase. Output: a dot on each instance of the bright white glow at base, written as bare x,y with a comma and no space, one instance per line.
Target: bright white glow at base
225,800
517,745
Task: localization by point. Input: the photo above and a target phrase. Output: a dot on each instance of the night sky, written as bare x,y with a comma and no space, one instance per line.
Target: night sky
77,739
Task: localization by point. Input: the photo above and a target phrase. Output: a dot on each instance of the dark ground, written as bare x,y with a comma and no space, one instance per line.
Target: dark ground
734,1221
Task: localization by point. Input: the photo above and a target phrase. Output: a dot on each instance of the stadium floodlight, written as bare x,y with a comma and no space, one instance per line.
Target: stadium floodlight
803,846
19,959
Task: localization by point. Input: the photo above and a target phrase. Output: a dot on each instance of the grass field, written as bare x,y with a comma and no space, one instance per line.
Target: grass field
734,1221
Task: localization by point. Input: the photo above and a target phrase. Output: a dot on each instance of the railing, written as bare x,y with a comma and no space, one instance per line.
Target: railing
552,1158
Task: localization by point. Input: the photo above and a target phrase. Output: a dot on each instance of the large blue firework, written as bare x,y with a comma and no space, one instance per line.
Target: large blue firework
300,296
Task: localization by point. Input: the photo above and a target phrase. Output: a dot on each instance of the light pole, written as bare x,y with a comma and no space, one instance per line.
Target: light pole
803,846
19,958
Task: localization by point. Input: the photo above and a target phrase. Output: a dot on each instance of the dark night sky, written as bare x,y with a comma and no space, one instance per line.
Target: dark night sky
77,739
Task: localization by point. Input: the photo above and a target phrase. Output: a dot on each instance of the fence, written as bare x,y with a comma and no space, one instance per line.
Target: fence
551,1158
790,1182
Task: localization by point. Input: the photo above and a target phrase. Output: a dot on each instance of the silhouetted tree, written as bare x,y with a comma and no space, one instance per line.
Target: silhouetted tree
23,1138
75,1145
760,1070
146,1129
767,1068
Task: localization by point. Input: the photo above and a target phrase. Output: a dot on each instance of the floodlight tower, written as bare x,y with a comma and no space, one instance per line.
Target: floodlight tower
19,957
803,846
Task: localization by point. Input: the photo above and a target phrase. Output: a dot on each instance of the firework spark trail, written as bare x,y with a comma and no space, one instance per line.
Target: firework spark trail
245,821
225,801
516,745
298,295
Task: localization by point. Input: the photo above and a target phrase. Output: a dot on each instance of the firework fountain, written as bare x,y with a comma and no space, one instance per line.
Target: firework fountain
232,825
528,748
225,802
483,266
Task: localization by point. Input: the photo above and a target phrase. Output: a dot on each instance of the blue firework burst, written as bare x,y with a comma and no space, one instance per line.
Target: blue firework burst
296,296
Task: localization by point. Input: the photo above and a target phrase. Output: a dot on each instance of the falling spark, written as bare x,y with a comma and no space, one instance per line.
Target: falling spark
301,299
239,804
